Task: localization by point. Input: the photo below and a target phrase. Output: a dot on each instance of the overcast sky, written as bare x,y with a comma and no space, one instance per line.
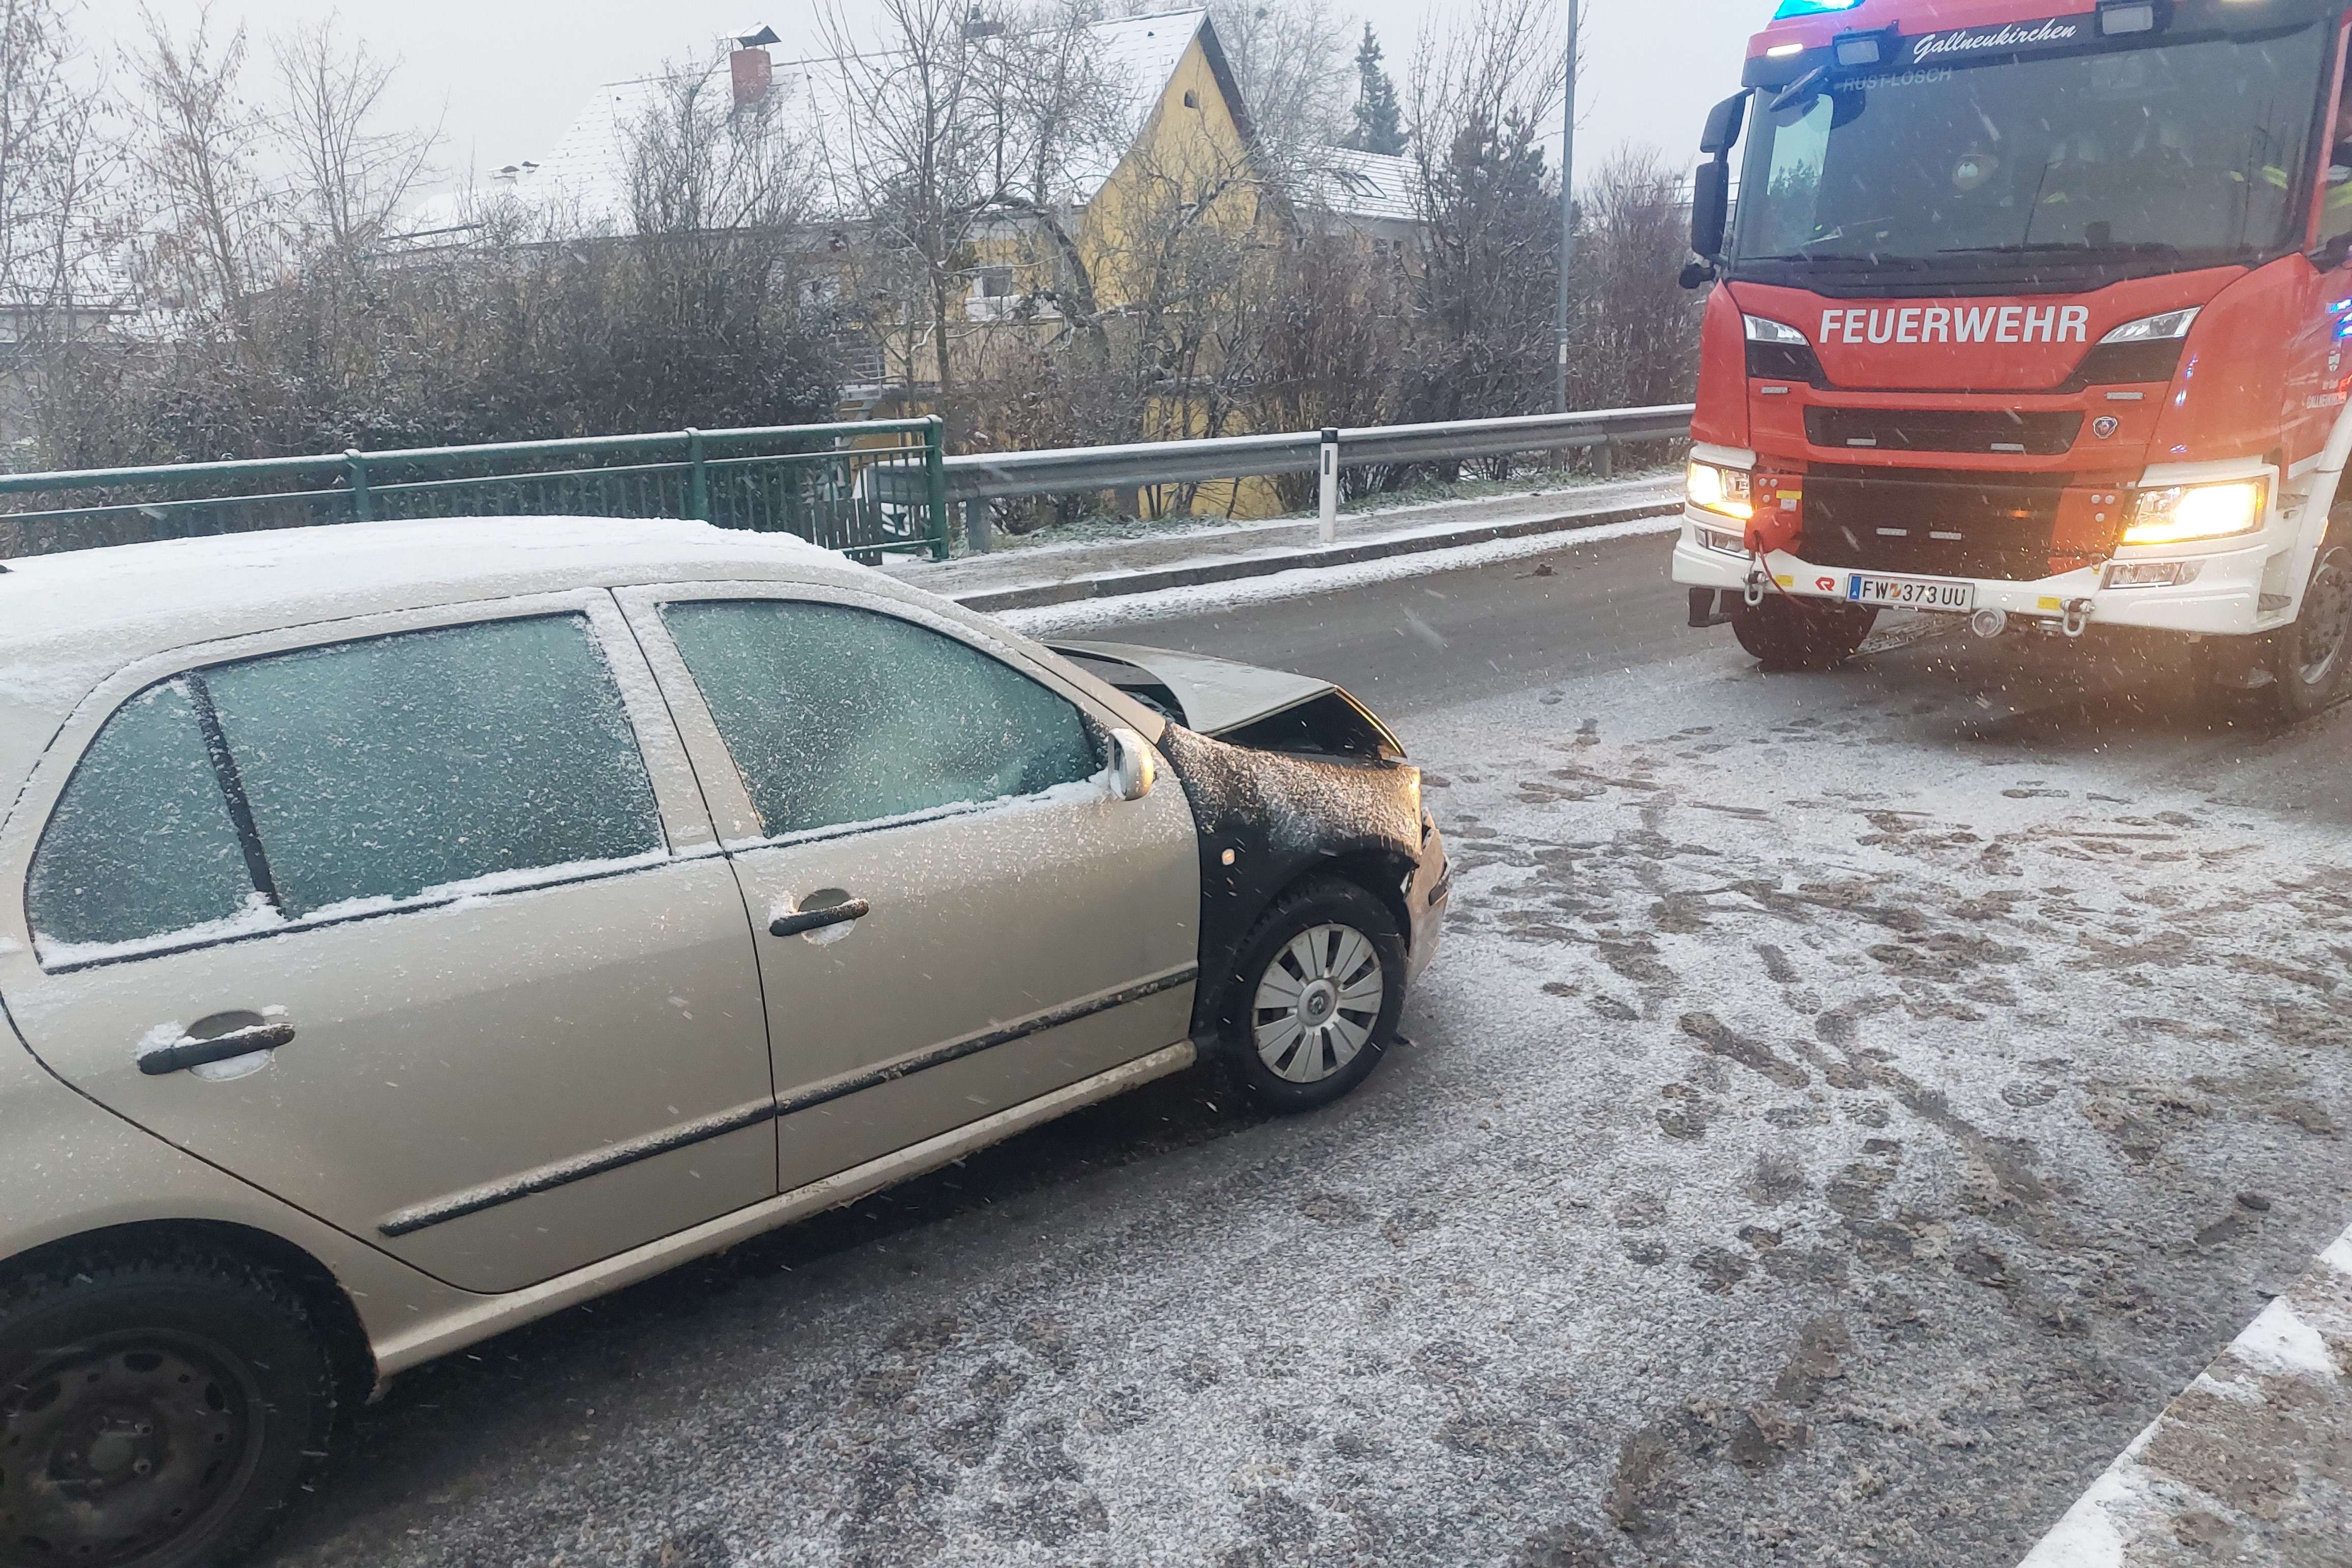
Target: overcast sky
505,76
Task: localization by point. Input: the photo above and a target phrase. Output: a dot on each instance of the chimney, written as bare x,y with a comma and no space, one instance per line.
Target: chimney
754,75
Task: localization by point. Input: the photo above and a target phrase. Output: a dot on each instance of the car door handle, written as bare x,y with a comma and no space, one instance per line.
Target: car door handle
195,1049
809,920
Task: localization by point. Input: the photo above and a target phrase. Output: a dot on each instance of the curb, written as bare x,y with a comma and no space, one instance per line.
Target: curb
2237,1469
1119,585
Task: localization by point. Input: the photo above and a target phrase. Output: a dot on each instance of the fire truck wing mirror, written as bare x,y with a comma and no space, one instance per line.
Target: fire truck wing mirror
1710,209
1723,123
1696,275
2333,254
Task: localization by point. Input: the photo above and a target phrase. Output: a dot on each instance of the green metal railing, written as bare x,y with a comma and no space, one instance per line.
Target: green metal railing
866,489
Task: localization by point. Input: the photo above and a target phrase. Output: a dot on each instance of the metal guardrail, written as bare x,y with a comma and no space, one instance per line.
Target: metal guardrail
1001,475
866,488
979,478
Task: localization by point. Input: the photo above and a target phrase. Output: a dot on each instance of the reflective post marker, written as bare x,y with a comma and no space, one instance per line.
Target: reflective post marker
1330,488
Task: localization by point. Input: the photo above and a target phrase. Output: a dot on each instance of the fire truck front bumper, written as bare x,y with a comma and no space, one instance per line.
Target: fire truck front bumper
2209,592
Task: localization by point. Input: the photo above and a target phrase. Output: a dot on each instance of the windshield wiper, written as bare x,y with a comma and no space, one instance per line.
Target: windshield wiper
2069,247
1839,260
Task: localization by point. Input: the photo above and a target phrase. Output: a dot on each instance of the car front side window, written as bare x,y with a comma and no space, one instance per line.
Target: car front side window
838,716
338,779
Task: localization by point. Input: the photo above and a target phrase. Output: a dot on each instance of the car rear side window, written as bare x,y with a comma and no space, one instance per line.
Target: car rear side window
338,778
142,842
838,716
383,769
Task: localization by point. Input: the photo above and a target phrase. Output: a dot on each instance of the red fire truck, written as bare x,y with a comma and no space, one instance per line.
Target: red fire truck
2036,312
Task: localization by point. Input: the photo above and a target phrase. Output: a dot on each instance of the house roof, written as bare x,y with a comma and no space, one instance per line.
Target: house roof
1371,185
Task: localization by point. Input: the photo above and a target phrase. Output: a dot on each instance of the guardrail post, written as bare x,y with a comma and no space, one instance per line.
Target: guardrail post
1604,457
979,526
1330,475
698,487
363,503
935,462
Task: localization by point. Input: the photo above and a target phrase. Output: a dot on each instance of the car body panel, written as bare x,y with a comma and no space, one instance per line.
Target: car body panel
1004,957
79,634
1002,961
75,1169
1266,820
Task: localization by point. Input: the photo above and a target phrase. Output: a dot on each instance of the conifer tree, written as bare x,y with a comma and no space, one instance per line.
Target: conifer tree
1380,123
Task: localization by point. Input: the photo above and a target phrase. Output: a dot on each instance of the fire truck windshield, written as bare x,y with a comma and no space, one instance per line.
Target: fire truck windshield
2130,162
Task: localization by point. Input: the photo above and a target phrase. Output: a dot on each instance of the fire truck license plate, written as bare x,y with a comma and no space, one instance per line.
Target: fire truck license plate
1910,593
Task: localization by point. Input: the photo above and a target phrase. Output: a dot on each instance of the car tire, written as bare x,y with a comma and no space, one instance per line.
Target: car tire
1303,1025
155,1411
1783,633
2311,660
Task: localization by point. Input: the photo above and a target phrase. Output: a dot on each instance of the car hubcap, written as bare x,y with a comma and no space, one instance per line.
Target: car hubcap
2326,624
109,1452
1318,1003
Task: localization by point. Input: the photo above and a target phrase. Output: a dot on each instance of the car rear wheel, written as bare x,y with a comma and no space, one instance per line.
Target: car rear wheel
2311,660
1317,995
1784,633
154,1413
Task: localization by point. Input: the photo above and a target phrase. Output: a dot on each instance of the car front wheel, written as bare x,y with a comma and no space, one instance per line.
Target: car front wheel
154,1412
1318,996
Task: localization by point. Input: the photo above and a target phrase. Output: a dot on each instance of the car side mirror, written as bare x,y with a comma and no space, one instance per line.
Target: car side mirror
2333,254
1134,768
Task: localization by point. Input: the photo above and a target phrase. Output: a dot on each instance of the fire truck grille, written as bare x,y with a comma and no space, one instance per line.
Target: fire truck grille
2015,434
1931,522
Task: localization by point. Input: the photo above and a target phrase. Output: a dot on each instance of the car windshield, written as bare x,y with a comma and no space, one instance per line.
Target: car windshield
2181,154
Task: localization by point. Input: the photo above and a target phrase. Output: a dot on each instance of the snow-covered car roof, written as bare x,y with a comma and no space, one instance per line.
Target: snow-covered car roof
67,621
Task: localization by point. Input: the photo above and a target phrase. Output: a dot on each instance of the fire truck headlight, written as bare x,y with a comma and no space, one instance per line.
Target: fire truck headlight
1763,330
2169,328
2185,512
1727,492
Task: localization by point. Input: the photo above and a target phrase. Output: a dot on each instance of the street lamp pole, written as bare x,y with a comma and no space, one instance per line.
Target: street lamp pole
1566,209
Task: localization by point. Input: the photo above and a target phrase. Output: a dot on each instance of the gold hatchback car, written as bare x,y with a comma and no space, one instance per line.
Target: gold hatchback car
408,930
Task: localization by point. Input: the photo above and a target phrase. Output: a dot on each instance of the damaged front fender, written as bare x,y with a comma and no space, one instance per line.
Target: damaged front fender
1267,820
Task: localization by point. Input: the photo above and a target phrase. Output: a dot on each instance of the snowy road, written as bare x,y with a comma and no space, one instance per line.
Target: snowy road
1849,1109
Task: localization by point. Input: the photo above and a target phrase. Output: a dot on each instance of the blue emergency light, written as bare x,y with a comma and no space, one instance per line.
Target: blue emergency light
1811,7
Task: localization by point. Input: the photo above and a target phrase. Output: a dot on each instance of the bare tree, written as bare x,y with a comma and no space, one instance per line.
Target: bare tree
712,318
1290,58
351,176
213,225
51,160
962,131
1635,331
922,167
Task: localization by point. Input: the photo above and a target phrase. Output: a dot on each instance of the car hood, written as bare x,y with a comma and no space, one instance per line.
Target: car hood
1217,696
1263,710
